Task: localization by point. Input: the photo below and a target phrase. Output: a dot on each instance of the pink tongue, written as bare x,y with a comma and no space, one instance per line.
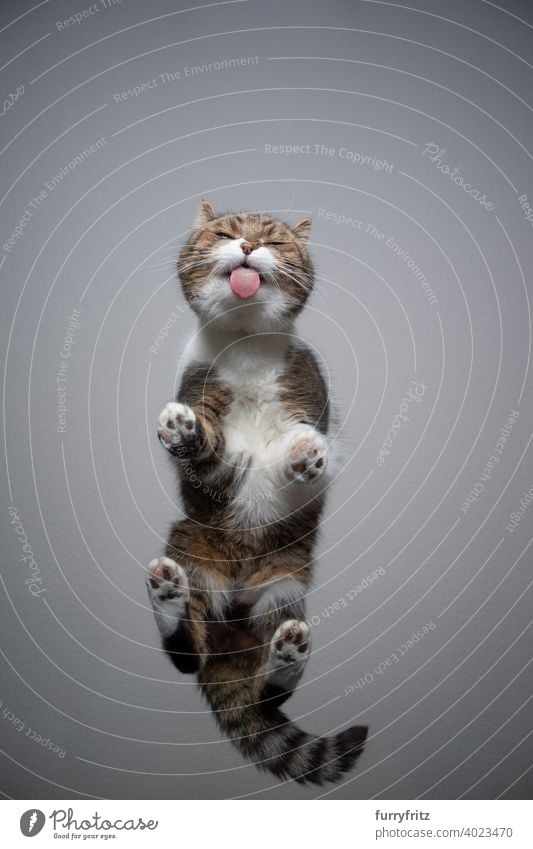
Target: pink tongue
244,282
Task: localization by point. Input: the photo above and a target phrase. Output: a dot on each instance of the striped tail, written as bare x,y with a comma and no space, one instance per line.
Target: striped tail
266,736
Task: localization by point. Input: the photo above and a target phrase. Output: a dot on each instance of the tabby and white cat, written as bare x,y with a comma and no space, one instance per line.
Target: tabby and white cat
249,434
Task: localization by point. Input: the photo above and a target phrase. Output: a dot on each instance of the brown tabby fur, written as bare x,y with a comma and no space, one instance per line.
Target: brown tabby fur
229,655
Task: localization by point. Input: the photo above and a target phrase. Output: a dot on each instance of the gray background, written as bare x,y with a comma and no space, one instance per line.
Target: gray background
81,663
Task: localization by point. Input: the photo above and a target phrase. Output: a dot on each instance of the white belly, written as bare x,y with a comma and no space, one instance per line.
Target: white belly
255,432
257,425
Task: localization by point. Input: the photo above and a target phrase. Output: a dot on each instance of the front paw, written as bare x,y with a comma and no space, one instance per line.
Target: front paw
167,580
307,456
168,591
178,432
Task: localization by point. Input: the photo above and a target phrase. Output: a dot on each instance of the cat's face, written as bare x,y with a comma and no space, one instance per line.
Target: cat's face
246,272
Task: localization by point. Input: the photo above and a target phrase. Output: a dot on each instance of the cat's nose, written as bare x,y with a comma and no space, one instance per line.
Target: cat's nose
246,248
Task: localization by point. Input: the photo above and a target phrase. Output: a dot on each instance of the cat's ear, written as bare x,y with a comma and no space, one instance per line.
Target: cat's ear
206,213
302,230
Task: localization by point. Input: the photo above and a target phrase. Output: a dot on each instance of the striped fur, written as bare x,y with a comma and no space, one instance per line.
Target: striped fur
250,433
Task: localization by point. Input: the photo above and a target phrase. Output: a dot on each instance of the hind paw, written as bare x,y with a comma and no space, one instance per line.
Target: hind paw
289,652
290,641
167,579
168,590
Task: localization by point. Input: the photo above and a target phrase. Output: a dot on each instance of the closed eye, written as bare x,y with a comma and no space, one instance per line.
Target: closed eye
277,244
222,235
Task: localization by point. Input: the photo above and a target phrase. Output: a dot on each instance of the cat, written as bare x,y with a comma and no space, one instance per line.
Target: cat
250,434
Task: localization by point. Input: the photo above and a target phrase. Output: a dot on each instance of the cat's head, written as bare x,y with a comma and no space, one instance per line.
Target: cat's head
246,272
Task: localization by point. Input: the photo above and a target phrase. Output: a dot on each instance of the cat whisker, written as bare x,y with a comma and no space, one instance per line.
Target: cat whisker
290,276
272,277
158,266
200,262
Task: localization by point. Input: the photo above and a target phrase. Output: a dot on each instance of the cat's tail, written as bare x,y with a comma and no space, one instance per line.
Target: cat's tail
266,736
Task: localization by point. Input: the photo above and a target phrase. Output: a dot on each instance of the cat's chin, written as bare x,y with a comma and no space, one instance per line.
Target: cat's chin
249,321
268,310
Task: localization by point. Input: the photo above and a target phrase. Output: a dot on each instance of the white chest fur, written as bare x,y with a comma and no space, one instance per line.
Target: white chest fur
257,424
